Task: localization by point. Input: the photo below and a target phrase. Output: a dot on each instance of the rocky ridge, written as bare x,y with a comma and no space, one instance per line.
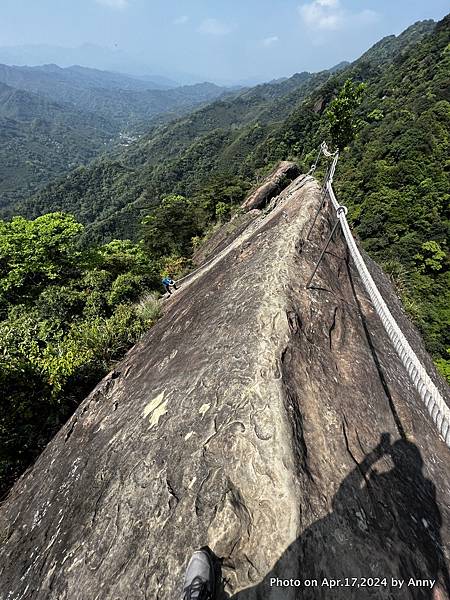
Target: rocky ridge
272,422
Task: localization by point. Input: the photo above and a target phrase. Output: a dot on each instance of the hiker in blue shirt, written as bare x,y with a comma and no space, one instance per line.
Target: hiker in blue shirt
168,282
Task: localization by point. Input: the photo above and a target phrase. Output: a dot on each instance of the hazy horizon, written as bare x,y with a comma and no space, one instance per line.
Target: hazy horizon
209,41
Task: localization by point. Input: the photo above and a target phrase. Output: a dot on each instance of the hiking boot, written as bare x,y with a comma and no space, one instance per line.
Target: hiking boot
199,580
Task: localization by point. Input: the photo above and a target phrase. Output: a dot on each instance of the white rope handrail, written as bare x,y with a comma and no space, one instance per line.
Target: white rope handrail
429,393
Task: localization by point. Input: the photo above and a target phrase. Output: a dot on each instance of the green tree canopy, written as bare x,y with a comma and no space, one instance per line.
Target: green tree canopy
33,253
66,315
170,227
341,113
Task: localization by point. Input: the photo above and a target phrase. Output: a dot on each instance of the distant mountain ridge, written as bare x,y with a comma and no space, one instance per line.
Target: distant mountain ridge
128,100
106,79
41,139
124,103
91,56
391,45
225,135
54,119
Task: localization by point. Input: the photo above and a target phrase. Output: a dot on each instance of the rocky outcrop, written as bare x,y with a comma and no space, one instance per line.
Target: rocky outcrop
221,237
272,422
274,183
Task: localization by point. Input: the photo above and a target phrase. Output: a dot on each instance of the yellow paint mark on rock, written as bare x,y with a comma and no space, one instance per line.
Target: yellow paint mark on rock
158,413
188,435
204,409
155,409
153,404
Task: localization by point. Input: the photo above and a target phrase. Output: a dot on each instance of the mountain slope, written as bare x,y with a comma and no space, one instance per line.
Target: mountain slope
274,423
192,148
56,119
237,135
394,182
41,139
129,101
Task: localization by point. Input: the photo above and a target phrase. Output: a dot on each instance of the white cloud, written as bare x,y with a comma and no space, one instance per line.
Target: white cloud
322,14
330,3
269,41
181,20
330,15
212,26
114,3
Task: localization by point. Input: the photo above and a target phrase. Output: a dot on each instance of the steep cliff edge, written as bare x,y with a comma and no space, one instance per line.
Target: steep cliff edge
249,418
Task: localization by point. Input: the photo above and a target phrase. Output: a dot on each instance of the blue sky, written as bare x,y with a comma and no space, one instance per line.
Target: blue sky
224,41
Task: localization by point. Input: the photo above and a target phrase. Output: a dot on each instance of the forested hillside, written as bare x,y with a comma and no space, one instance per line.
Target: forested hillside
53,120
40,139
394,176
237,137
128,101
169,189
52,80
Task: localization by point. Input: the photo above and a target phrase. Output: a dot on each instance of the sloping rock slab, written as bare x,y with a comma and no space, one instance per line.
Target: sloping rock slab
272,422
224,236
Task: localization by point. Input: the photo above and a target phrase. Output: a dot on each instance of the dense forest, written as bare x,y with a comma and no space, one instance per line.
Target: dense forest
40,139
53,120
80,269
241,136
66,315
125,100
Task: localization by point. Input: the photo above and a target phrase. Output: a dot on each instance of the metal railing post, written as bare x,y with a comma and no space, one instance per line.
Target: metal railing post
322,253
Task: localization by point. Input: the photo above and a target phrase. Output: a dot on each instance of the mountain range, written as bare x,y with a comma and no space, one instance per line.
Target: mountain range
95,57
155,175
390,174
53,119
237,136
127,100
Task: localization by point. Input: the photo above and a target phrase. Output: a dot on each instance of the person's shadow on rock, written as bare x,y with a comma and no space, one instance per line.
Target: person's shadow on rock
383,526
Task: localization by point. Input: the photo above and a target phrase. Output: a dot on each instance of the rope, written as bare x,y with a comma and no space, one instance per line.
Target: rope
323,148
430,395
199,268
293,187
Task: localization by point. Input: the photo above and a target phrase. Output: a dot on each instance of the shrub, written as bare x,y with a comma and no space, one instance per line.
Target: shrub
222,211
125,288
97,279
443,366
341,113
149,308
431,256
174,265
171,226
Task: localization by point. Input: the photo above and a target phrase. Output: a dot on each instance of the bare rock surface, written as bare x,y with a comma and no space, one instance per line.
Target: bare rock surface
273,423
273,184
221,237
